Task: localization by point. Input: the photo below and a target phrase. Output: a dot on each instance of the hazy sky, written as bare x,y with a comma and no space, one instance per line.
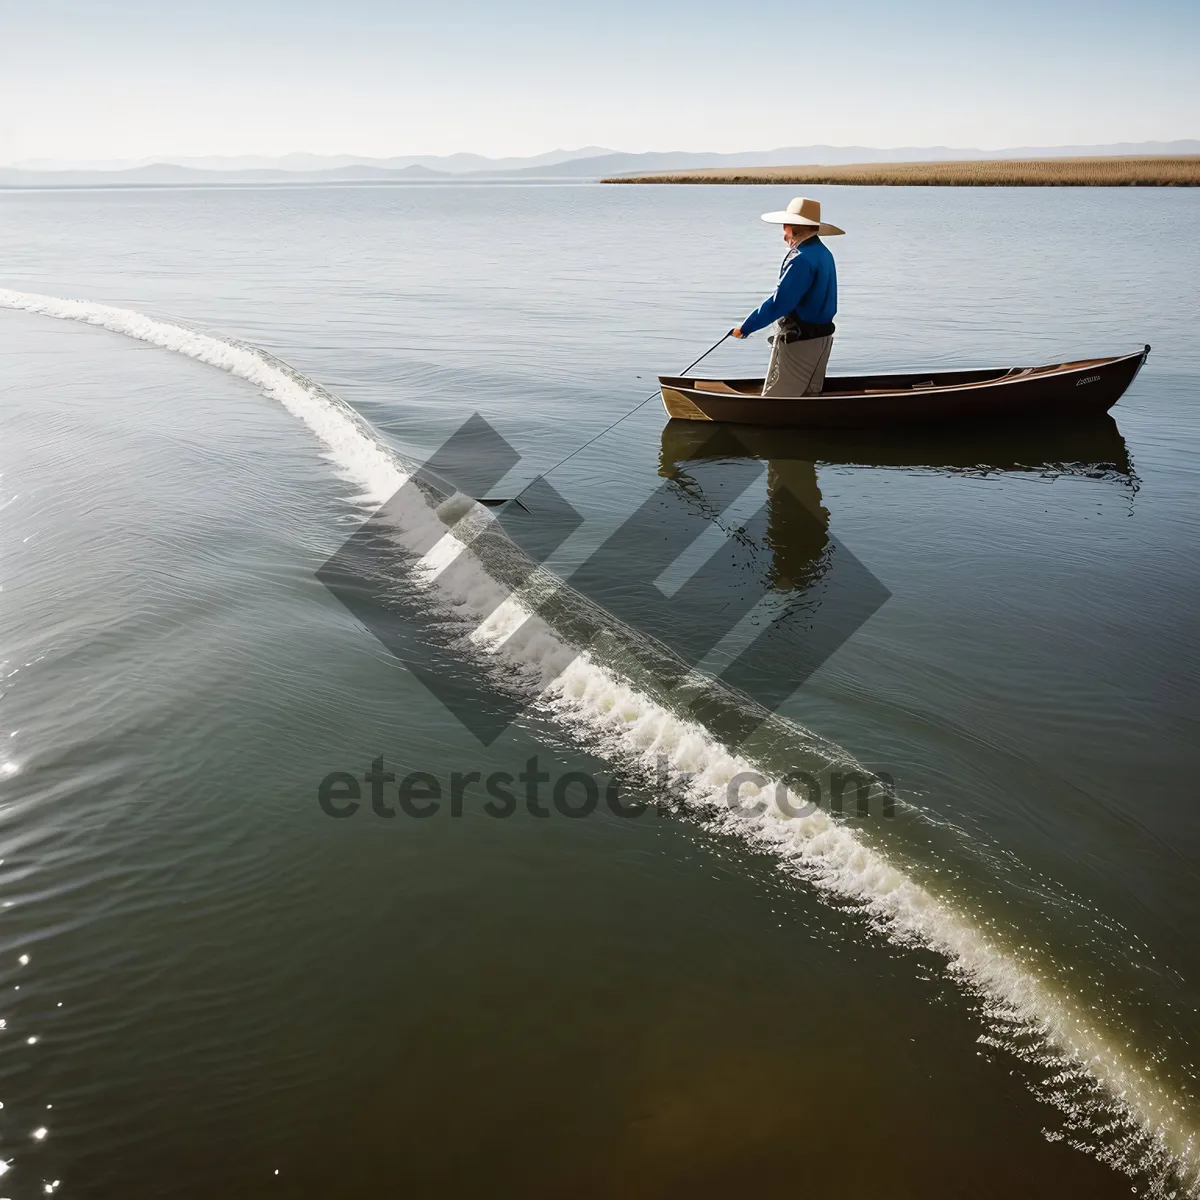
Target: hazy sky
109,79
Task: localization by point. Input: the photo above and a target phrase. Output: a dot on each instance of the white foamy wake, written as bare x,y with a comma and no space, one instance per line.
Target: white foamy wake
1113,1105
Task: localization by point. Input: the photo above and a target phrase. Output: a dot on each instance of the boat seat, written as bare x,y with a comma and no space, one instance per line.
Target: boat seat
714,385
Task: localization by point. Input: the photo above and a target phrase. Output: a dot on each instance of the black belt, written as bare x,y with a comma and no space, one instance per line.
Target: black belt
803,331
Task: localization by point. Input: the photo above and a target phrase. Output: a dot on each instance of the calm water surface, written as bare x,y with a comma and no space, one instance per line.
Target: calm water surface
211,987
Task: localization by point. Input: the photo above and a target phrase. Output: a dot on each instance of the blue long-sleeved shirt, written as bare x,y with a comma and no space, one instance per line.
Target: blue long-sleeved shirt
807,288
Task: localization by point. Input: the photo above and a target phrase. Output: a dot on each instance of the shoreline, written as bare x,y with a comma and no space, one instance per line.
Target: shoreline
1140,171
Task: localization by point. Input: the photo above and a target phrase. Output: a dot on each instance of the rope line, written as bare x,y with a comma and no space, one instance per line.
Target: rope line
619,419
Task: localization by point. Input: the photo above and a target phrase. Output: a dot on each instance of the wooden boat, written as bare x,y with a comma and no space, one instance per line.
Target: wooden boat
1090,385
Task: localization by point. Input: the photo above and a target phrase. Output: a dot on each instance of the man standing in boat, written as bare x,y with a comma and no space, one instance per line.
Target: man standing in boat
803,305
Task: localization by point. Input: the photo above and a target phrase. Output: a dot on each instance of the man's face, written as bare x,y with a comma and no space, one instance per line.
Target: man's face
794,234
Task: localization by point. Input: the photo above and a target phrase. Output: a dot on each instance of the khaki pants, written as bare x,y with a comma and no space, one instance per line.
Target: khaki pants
797,368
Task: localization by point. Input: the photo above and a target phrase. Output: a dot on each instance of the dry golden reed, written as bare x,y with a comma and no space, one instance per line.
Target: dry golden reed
1142,171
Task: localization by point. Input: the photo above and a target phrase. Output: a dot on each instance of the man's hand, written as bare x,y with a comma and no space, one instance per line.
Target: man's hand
737,333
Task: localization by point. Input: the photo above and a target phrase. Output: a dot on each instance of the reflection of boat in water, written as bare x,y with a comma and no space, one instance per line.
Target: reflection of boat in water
796,534
1090,447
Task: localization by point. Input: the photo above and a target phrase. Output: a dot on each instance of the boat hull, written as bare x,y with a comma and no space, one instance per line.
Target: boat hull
1073,389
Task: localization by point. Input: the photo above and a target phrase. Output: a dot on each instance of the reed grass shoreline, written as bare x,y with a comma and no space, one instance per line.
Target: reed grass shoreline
1141,171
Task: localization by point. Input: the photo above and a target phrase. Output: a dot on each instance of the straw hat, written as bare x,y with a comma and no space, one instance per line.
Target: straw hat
802,211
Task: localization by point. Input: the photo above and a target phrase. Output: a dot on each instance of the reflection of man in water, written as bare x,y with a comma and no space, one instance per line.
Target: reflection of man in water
797,526
803,304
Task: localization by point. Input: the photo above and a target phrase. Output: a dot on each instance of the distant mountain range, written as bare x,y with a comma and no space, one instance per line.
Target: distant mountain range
590,162
451,164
